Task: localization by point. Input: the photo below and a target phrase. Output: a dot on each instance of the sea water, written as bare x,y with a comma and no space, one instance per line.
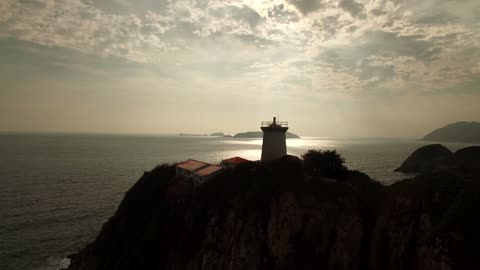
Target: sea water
57,190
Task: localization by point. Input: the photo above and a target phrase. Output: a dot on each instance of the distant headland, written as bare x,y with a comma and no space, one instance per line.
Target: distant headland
218,134
189,134
464,132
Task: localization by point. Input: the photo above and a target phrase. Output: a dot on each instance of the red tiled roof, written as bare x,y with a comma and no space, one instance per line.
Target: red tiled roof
191,165
235,160
208,170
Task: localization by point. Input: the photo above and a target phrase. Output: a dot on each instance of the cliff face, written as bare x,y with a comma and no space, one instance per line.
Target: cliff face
273,216
428,222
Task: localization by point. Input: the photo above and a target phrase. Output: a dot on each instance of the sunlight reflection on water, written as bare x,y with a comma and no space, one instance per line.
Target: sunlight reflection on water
244,141
309,143
302,143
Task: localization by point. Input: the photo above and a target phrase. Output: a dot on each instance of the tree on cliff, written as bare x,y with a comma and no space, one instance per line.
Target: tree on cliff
327,163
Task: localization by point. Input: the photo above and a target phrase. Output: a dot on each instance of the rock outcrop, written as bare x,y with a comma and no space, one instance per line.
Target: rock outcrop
467,158
426,159
276,216
428,222
436,157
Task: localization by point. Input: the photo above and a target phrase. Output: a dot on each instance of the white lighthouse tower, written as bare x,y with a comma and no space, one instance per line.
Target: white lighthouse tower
274,144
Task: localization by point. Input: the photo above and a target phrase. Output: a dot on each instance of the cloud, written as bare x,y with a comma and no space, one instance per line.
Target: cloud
352,7
82,27
242,13
135,37
282,13
345,58
307,6
351,46
390,61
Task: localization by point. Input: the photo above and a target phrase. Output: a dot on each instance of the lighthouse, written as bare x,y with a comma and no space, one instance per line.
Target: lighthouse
274,144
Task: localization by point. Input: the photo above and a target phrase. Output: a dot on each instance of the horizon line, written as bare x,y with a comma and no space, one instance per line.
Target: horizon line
179,134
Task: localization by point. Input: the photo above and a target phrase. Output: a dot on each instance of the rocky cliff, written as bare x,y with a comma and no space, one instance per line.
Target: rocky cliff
276,216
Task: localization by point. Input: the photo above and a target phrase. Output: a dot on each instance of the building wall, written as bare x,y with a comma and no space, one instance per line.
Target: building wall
227,165
197,179
274,144
183,172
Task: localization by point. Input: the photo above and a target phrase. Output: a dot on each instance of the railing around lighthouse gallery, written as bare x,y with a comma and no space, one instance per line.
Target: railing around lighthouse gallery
274,124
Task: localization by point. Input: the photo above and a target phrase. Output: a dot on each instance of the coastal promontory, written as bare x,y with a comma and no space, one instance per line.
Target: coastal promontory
291,213
466,132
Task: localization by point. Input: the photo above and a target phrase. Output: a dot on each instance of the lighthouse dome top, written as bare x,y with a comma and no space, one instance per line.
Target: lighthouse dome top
274,123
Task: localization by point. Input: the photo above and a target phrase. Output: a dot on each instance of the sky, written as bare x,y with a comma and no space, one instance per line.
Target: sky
352,68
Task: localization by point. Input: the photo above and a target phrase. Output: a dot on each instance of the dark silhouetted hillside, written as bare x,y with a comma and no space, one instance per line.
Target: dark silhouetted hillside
426,159
281,215
436,157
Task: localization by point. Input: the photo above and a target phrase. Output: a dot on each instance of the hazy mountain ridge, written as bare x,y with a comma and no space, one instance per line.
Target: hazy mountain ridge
466,132
280,216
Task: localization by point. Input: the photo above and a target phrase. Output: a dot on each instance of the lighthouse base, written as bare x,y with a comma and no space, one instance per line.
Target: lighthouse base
274,144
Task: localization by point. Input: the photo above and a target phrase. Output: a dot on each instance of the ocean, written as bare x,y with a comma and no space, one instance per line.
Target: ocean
58,189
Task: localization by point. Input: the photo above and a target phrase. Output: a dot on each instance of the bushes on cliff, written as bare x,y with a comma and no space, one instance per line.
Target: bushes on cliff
327,163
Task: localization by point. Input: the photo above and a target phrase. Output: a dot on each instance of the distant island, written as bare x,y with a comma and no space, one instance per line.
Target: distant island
465,132
259,134
218,134
186,134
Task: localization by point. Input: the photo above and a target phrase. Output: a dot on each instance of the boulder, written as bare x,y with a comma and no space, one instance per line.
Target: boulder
427,159
468,157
